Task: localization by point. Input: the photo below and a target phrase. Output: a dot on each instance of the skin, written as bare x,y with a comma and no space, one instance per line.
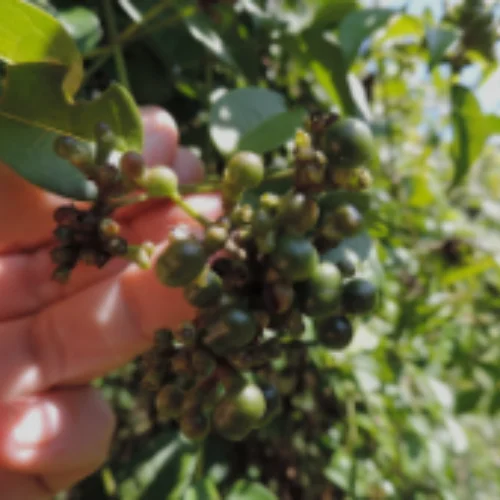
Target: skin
55,429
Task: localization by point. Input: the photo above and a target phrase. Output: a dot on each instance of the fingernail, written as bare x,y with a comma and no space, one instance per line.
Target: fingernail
38,425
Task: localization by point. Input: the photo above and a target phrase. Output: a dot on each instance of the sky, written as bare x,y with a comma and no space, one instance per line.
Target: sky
488,93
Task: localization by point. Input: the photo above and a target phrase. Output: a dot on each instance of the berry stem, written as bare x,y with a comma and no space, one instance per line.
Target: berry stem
181,203
130,200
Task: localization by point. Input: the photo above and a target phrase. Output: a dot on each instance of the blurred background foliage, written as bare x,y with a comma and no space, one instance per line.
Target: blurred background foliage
411,409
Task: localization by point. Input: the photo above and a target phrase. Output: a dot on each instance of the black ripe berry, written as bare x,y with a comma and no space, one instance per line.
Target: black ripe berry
334,332
359,296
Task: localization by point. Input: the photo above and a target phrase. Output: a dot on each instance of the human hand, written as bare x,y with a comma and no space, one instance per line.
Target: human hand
54,339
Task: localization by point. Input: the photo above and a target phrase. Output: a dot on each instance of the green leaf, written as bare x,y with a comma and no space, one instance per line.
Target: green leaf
239,113
205,489
201,29
359,25
403,26
469,272
273,132
34,119
470,131
326,60
246,490
467,400
163,469
328,14
494,406
439,40
32,35
83,25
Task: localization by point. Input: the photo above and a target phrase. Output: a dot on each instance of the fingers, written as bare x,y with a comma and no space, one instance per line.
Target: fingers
100,327
26,210
62,435
20,486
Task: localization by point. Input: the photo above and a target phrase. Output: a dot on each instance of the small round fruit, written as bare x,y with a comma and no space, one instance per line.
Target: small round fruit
359,296
295,257
169,401
245,170
132,165
232,329
350,144
321,294
334,332
194,424
348,219
161,182
205,291
346,259
237,414
180,263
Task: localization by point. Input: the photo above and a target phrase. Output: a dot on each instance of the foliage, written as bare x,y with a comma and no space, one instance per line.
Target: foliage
410,409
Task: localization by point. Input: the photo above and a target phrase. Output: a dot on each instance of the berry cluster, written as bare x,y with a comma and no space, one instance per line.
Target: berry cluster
253,275
92,236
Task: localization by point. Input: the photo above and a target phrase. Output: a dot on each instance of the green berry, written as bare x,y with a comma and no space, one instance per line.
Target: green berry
347,219
245,170
334,332
321,294
350,144
194,424
204,291
295,257
232,329
359,296
181,262
299,213
238,413
160,182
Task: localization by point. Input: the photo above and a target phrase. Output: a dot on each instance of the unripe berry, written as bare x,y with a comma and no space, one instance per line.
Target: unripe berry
245,170
160,182
295,257
237,414
232,329
347,219
321,294
205,291
350,144
181,262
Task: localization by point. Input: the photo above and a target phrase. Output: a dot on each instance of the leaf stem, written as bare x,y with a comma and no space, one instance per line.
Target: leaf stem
121,67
